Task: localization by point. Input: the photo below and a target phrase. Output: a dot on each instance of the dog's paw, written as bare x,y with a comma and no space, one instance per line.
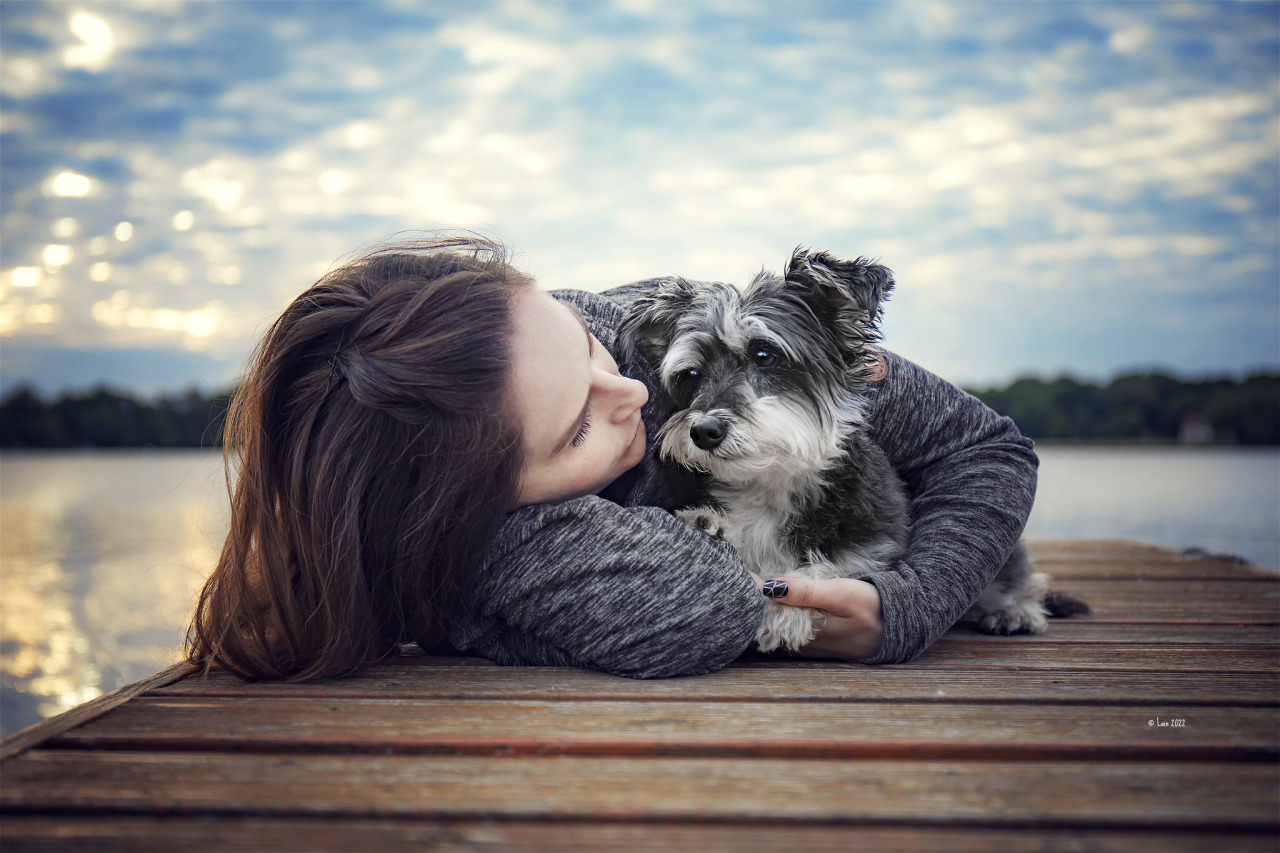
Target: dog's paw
705,518
1018,610
1028,618
786,627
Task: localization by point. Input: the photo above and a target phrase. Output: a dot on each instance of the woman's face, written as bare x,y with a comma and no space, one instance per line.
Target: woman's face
580,417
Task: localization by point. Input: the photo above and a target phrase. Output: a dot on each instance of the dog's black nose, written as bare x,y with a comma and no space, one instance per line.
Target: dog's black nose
708,432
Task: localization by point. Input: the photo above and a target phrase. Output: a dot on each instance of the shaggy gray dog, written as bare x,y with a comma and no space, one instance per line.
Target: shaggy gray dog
770,388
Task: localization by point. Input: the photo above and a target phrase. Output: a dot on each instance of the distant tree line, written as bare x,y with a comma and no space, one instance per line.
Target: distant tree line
1148,406
105,418
1151,407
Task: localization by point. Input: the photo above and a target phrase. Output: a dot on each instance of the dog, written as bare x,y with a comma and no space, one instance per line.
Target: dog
770,387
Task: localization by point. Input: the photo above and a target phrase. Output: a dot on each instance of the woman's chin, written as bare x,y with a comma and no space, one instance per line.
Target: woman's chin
635,452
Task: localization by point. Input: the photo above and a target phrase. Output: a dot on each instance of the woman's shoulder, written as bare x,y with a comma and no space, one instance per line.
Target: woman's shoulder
603,311
917,415
898,382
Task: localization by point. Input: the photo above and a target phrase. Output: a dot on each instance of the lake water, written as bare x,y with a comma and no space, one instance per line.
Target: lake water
102,553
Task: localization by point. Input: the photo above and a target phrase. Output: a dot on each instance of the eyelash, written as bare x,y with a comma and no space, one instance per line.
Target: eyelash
582,431
586,421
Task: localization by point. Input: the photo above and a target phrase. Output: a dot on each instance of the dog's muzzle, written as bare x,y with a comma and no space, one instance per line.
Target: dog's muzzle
707,432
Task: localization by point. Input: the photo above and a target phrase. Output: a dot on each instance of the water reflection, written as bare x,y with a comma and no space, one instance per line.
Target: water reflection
101,555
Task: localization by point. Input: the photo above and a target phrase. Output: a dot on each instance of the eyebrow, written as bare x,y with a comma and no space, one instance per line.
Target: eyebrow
582,415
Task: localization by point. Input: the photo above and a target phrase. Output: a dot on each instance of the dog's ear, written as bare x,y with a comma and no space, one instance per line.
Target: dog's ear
649,323
847,293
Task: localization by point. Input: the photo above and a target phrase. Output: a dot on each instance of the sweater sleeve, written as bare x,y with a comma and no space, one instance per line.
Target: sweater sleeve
971,480
631,591
624,294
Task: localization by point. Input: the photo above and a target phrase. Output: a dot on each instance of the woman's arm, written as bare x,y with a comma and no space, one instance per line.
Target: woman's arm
971,478
630,591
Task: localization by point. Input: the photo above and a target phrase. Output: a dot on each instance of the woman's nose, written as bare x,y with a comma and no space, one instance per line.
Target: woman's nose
628,395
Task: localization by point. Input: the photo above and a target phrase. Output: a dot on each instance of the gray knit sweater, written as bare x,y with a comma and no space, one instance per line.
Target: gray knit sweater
616,583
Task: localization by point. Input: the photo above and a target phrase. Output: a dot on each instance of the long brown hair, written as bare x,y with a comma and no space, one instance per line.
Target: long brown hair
376,458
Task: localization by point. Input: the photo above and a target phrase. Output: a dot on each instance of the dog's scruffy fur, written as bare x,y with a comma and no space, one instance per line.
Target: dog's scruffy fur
770,388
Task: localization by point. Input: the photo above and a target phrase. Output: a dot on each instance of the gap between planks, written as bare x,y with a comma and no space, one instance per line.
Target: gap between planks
128,834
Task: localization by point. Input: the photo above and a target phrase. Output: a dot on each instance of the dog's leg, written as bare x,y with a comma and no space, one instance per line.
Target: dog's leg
787,627
780,626
708,519
794,627
1014,602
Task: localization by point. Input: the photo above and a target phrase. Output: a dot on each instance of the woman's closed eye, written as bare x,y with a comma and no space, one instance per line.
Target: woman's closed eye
585,428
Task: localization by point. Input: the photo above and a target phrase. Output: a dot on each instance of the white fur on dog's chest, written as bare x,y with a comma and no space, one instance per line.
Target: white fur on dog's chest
757,528
755,525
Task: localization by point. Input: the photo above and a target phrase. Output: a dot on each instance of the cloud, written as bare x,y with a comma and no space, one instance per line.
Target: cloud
993,157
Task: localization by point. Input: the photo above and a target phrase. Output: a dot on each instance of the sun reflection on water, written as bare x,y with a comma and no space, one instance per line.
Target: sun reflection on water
101,556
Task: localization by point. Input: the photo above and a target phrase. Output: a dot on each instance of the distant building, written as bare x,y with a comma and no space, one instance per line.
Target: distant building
1194,430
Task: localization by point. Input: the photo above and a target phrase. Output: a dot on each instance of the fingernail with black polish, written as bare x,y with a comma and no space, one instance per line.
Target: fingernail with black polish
776,589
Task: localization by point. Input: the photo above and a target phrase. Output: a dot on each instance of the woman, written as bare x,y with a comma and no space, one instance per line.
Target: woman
431,450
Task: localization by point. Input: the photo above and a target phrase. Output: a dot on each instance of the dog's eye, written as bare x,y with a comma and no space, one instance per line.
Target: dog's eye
691,374
763,356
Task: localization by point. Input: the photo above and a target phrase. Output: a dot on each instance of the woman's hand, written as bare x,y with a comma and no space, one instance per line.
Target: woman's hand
853,627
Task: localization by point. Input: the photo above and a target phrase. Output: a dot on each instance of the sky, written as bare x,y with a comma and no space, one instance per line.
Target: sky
1061,188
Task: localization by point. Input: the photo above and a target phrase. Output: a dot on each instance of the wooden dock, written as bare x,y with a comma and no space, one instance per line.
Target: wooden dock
1153,725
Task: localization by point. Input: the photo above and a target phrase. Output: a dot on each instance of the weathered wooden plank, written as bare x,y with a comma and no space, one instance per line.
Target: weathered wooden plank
936,730
410,651
1088,656
1217,571
1026,653
1128,560
1097,549
1166,795
1117,549
111,834
1236,602
1078,630
419,678
42,731
1122,550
